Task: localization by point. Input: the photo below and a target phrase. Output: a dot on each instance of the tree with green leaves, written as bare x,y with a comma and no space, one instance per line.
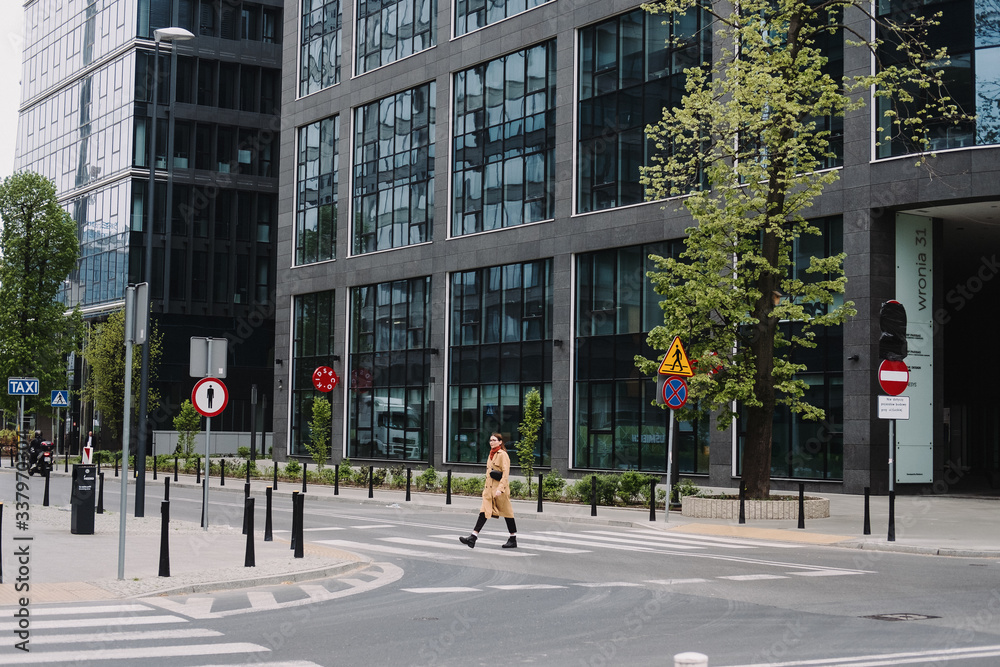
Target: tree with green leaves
38,250
104,351
528,432
749,147
187,423
319,432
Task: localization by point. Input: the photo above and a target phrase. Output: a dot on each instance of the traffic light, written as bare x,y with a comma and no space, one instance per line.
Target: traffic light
892,321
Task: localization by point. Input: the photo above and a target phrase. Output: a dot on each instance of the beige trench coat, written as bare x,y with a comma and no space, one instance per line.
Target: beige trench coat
493,505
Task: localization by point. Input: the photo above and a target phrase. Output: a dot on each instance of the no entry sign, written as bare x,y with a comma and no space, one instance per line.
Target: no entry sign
894,376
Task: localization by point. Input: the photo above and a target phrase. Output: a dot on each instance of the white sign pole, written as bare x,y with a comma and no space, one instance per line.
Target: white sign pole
670,456
126,424
208,435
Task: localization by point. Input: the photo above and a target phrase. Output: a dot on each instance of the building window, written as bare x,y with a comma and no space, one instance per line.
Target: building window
389,30
320,45
504,137
394,170
312,347
501,348
807,449
971,76
617,427
631,67
474,14
316,199
390,370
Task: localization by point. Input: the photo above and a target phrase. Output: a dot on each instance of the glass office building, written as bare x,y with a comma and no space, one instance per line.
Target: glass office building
86,121
491,236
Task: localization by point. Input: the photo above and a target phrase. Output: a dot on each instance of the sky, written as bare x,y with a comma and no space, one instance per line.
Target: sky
11,44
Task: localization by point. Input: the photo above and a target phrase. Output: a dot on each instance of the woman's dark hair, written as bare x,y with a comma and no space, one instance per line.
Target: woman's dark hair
499,436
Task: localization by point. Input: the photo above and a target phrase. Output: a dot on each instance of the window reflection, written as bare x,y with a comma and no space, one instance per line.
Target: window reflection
316,199
474,14
388,30
320,45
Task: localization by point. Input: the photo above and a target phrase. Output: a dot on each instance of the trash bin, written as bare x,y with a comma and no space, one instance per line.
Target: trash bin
82,497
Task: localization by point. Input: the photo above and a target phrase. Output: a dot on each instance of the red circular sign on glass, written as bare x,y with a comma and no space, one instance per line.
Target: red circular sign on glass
325,378
894,376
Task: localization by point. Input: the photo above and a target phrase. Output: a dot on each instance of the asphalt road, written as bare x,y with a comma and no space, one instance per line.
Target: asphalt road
571,594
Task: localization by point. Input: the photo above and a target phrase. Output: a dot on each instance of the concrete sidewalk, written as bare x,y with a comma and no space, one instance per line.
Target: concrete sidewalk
66,567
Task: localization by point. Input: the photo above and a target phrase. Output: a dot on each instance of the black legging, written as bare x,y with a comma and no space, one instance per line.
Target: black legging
481,521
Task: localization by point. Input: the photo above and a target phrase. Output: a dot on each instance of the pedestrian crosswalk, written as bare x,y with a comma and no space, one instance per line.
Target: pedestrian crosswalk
130,633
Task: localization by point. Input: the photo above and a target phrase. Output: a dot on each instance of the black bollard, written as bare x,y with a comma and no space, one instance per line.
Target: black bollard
371,481
652,499
246,494
295,518
249,560
802,506
304,475
197,468
336,480
539,492
447,500
100,493
45,493
164,538
743,500
154,468
892,516
222,472
274,483
166,488
248,471
299,541
116,465
868,515
409,473
268,536
65,459
593,495
175,467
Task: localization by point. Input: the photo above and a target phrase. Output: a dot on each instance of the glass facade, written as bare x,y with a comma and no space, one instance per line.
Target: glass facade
312,347
968,28
617,426
504,138
390,370
319,60
474,14
630,67
316,191
805,449
388,30
501,348
394,170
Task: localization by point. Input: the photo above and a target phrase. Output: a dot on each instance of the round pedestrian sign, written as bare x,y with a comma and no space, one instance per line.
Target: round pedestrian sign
210,396
675,392
894,376
325,378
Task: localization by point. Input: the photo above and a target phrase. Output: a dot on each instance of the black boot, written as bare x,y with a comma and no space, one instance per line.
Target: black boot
511,543
469,541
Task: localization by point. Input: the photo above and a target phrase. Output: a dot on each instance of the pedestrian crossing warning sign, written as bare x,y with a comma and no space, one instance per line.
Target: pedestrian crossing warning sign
675,361
60,398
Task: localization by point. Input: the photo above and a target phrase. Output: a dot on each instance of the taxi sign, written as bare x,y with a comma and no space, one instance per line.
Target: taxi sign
22,386
675,361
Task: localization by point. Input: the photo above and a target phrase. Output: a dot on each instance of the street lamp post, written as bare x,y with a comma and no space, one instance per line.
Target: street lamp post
167,35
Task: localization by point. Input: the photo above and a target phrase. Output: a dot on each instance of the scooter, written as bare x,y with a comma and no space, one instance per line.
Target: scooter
42,461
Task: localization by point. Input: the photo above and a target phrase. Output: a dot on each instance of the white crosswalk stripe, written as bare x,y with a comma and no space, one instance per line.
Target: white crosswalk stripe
155,639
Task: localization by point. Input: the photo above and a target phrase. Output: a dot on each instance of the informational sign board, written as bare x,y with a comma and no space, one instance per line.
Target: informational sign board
325,379
915,290
22,386
208,357
893,407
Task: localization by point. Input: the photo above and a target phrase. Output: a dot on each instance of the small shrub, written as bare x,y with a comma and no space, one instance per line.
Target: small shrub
345,471
684,487
518,489
633,487
397,476
293,468
607,489
427,480
472,486
552,485
379,476
243,452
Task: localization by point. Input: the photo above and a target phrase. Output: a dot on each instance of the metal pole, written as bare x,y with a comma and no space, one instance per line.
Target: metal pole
140,453
208,433
892,481
126,425
670,457
253,426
